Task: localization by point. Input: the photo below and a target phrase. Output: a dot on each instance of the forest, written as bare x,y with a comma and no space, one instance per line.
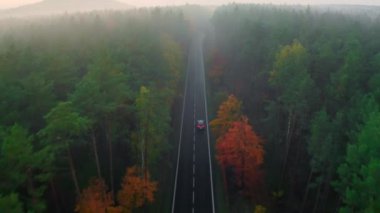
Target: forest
86,104
90,108
295,93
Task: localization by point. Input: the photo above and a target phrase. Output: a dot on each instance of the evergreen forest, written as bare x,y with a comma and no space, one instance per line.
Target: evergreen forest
80,93
308,81
90,108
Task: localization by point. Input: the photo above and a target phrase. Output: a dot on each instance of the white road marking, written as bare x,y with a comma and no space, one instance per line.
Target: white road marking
193,198
208,134
180,134
194,151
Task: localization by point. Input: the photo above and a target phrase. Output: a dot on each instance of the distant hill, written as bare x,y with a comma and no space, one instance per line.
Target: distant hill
48,7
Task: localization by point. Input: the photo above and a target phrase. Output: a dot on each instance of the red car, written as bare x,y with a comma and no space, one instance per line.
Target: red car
200,124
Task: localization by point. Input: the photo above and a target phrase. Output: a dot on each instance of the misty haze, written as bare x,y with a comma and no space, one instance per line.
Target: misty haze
49,7
113,106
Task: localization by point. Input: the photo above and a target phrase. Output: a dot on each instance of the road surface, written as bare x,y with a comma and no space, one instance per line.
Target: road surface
193,187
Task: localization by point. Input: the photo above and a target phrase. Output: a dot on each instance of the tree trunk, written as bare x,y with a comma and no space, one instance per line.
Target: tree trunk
145,160
326,191
110,158
325,196
288,143
142,153
94,146
317,198
145,167
338,203
298,143
31,188
225,184
55,196
72,169
289,127
307,190
243,160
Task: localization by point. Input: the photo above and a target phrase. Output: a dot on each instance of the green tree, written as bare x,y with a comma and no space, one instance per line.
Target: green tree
153,124
359,173
374,81
351,76
172,55
39,99
10,203
295,87
64,127
325,147
103,95
24,166
83,72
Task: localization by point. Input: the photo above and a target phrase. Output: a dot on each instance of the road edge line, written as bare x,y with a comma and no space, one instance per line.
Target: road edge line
180,134
208,134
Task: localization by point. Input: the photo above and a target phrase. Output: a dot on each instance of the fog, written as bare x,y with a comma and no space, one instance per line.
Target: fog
44,7
100,102
60,6
16,3
219,2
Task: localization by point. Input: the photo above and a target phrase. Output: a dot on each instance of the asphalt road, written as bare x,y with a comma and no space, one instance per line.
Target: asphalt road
193,187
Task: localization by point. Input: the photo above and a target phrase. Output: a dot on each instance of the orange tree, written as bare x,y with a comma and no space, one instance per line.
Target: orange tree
241,150
95,198
229,111
136,190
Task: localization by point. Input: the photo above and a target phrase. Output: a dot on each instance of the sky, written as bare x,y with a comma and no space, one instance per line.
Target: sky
4,4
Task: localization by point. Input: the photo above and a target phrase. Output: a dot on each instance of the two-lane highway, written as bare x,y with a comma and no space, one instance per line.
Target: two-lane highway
193,187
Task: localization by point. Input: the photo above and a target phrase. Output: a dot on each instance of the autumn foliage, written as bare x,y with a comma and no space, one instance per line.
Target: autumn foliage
95,198
136,190
229,111
241,150
218,64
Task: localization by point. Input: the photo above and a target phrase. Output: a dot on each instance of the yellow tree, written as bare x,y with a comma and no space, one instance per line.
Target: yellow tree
229,111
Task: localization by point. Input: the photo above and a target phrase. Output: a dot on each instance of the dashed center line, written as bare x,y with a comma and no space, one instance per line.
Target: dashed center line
193,200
